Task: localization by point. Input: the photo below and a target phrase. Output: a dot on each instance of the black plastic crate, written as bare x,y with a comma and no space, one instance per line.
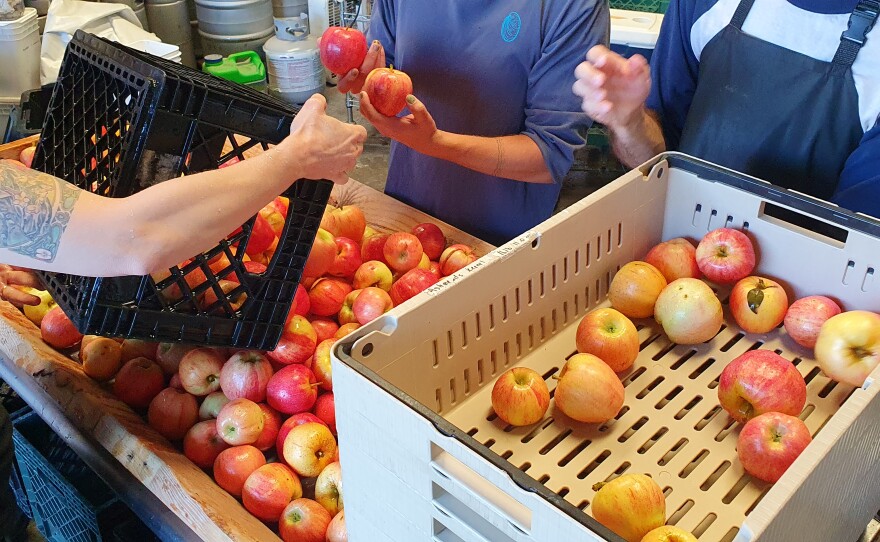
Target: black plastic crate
67,501
120,120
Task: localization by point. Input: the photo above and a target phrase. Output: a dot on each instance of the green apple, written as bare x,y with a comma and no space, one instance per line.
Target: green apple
35,313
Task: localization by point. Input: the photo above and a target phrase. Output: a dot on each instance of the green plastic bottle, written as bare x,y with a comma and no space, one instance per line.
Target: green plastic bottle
245,68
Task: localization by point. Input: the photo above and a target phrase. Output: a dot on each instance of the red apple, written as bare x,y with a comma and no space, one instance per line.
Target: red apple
325,328
669,533
304,520
297,343
336,531
200,371
631,505
520,396
328,488
202,444
292,389
321,366
325,409
240,421
435,268
373,247
168,356
676,259
271,426
347,221
370,304
346,313
211,405
848,346
138,382
635,288
309,448
290,423
609,335
58,331
261,236
135,348
805,318
234,465
245,375
174,382
327,295
689,311
725,255
372,273
346,329
761,381
758,304
588,390
432,239
348,258
322,254
269,489
768,444
456,257
274,218
411,283
402,251
301,303
172,412
387,89
342,49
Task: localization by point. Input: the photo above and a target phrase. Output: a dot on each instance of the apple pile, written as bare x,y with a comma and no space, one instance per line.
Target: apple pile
759,389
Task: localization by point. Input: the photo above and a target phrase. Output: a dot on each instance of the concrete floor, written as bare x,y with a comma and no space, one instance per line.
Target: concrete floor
592,169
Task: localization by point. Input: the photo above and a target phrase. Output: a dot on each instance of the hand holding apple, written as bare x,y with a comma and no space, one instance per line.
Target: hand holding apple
388,89
761,381
520,396
631,505
342,49
769,444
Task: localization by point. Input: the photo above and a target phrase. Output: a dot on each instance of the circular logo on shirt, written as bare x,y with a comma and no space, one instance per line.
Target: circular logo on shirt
510,27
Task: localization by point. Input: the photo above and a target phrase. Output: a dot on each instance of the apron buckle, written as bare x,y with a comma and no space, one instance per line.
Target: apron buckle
861,21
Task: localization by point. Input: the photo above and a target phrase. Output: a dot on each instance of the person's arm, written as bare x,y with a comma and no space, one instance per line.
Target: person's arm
643,107
510,157
859,186
51,225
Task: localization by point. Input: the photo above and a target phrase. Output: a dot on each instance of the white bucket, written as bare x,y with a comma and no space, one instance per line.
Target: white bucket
294,69
20,50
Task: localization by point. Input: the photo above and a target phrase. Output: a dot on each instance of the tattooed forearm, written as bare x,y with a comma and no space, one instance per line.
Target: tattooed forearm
34,211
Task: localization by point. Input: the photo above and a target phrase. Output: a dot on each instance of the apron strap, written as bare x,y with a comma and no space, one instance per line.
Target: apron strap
856,34
742,11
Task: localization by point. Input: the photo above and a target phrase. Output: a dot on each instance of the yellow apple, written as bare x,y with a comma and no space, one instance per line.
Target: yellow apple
669,533
35,313
848,346
631,505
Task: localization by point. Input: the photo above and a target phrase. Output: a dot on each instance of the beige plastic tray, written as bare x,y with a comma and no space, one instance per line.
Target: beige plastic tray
425,459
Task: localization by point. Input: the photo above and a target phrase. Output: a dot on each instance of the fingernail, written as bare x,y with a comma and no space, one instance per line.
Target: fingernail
410,99
374,46
355,72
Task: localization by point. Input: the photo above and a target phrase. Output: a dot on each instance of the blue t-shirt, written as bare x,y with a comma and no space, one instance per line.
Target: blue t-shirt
489,69
810,27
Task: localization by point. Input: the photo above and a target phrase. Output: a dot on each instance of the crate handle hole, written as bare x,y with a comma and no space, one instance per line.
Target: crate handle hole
536,242
367,349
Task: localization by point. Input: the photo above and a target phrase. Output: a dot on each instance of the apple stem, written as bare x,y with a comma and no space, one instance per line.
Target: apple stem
598,485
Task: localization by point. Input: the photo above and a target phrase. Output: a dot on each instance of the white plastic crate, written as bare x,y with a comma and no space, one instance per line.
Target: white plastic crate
424,458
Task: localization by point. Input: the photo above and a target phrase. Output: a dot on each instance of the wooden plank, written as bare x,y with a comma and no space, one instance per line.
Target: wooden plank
189,492
11,151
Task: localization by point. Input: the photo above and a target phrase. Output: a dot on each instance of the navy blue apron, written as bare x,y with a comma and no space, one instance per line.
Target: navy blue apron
777,114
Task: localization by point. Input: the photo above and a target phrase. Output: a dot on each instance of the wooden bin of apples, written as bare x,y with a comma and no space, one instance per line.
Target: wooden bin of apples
655,359
262,424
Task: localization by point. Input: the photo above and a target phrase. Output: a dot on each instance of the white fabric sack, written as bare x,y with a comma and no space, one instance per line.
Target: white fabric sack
116,22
